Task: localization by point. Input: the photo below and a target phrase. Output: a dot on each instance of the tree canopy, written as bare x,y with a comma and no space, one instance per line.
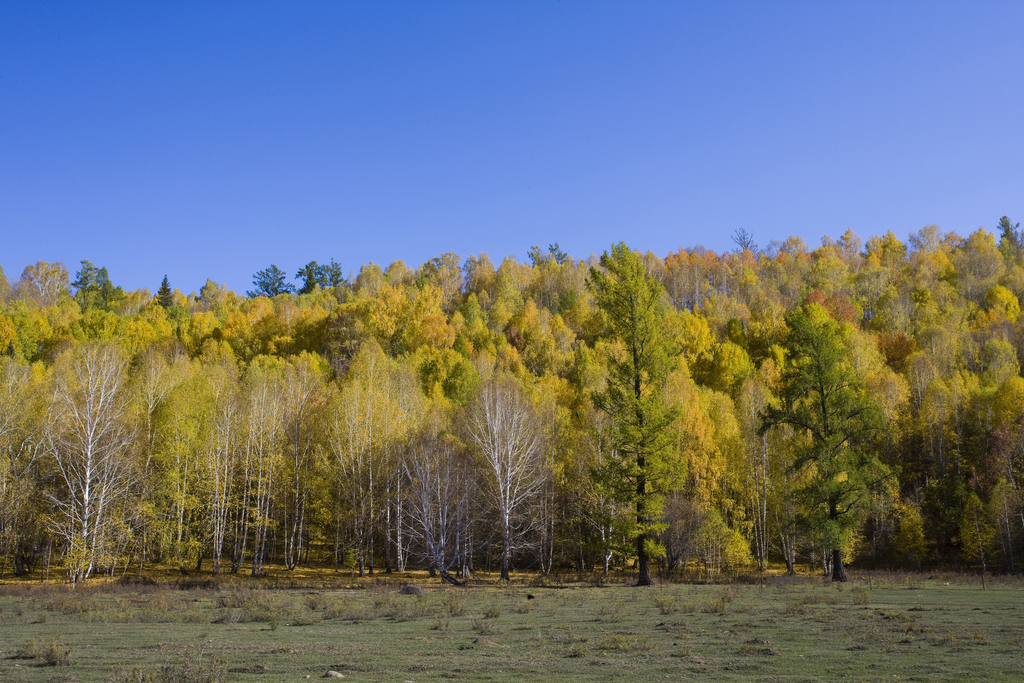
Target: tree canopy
857,403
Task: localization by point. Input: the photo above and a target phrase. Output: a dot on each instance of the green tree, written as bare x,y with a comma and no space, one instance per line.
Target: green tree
976,532
93,288
163,295
269,283
1010,240
314,275
824,400
641,467
909,541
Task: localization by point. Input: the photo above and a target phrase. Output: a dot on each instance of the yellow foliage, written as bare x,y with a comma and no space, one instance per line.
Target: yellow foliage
1003,301
8,335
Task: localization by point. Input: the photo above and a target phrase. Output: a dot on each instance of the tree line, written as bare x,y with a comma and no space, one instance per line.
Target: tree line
857,402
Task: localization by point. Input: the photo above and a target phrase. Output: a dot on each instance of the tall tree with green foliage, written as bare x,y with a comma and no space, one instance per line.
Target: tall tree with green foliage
835,421
315,275
93,288
269,283
163,295
642,466
1010,240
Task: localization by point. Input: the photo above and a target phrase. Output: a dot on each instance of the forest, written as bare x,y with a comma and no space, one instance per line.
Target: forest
780,408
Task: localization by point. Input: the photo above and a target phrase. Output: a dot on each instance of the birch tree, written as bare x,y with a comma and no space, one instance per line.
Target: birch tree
303,395
221,457
440,487
89,440
264,407
360,424
502,423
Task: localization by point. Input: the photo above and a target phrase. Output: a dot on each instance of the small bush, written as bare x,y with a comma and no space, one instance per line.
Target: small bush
666,604
492,610
861,596
421,607
234,598
194,669
316,602
759,648
70,605
134,675
484,626
301,618
713,606
54,653
349,610
265,607
577,650
610,612
442,624
794,609
624,643
227,616
453,604
57,653
28,650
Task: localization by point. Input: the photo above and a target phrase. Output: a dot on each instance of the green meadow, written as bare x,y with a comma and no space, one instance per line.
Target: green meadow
893,627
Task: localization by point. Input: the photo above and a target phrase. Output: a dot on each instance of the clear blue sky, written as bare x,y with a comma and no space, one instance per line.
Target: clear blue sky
210,139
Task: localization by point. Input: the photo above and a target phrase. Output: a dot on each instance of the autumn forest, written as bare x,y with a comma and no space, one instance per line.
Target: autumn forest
785,408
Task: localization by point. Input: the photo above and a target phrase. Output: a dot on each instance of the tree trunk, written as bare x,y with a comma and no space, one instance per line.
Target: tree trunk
505,551
643,561
838,573
448,578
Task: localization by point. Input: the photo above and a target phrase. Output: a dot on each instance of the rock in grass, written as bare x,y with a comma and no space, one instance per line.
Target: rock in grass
333,674
411,590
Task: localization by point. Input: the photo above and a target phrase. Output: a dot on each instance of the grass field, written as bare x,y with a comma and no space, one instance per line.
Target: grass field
888,628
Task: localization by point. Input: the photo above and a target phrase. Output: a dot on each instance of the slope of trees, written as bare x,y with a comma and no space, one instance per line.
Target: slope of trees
860,402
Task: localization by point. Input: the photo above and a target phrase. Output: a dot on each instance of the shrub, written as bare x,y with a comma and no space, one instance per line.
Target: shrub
577,650
453,604
348,610
610,612
54,653
192,670
484,626
316,602
492,610
522,607
625,643
666,604
265,607
57,653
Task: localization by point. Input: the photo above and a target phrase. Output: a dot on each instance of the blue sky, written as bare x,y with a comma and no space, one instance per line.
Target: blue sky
212,139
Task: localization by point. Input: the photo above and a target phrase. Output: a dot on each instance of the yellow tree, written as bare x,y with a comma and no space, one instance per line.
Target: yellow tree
261,460
303,399
21,423
89,438
361,421
183,434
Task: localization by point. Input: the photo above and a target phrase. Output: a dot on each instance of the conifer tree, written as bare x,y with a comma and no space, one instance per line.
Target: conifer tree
163,295
826,403
641,468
